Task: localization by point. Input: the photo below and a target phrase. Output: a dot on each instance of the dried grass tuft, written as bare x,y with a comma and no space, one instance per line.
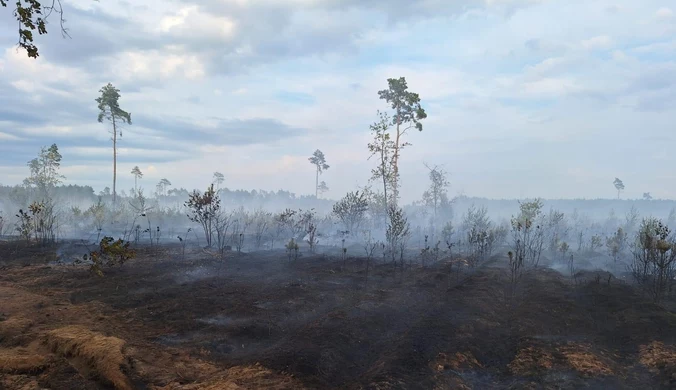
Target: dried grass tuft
102,355
240,378
584,361
21,361
531,361
458,361
12,329
660,359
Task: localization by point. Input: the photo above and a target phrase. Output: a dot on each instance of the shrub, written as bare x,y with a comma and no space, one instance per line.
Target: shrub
397,233
654,263
109,254
351,210
204,210
292,249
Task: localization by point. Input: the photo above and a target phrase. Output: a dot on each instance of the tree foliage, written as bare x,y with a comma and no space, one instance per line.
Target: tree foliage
109,110
528,234
406,105
111,252
32,15
351,210
397,233
407,114
436,194
481,235
654,263
136,171
322,187
162,186
44,170
616,243
204,209
109,105
319,161
382,147
218,179
619,186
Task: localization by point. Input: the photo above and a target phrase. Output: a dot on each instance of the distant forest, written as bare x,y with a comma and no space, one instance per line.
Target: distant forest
598,209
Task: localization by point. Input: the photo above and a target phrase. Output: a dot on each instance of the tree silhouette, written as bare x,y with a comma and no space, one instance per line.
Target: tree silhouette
619,186
218,180
319,161
407,114
109,109
163,184
322,188
136,171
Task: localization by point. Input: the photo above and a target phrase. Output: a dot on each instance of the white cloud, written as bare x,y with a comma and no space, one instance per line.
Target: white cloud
155,64
547,66
597,42
48,130
190,21
620,56
8,137
664,13
32,76
551,87
657,48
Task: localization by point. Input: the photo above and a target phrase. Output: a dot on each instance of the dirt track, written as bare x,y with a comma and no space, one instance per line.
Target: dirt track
259,321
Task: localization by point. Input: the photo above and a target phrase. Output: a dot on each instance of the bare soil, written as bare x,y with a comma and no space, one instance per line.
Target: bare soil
259,321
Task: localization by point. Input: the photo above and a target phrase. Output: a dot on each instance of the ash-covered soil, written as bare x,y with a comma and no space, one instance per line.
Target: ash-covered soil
260,321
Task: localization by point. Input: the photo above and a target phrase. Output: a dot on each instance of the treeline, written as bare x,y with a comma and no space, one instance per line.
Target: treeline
597,209
72,194
18,196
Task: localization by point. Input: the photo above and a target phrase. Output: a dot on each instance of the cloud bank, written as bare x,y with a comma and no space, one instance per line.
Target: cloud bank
525,98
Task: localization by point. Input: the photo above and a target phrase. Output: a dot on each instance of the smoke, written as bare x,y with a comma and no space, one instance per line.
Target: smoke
584,226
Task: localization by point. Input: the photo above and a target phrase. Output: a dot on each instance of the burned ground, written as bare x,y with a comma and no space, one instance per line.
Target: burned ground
258,320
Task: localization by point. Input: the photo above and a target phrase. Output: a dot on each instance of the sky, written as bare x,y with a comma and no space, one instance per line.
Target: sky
525,98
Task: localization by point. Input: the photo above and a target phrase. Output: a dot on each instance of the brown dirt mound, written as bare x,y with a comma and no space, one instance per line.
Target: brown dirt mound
101,355
659,358
13,328
240,378
16,300
167,366
20,360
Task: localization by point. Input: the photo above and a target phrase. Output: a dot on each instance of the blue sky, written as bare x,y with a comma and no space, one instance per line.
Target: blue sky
525,98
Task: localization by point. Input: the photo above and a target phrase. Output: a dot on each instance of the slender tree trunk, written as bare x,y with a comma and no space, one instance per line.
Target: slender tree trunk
317,182
135,186
434,222
385,191
383,172
114,159
395,161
